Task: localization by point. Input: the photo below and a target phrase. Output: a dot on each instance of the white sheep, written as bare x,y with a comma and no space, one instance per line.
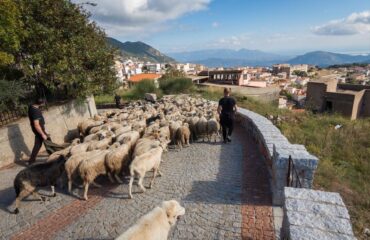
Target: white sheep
64,152
73,162
144,145
213,129
122,130
201,127
92,168
101,144
192,121
129,138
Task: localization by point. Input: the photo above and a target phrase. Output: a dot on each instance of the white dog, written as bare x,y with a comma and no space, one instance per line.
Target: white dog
156,224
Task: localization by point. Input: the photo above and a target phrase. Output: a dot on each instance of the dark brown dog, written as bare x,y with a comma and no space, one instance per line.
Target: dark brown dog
39,175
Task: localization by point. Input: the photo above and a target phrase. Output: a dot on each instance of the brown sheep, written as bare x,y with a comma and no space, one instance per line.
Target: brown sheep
182,136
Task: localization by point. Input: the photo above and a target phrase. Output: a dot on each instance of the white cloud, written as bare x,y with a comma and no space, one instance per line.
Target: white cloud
128,17
356,23
215,24
231,42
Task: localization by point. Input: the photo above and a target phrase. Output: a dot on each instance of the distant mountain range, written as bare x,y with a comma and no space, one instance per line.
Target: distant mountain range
140,51
324,59
232,58
243,57
229,57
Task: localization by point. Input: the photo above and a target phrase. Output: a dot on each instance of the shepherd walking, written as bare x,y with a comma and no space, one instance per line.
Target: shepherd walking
227,109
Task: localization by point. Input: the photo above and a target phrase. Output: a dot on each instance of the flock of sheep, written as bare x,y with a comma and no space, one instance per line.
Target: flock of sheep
130,140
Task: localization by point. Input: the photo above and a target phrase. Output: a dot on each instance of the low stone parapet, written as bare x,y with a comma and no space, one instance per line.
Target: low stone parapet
310,214
277,151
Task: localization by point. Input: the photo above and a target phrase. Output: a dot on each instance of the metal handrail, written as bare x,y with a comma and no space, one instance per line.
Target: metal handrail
290,176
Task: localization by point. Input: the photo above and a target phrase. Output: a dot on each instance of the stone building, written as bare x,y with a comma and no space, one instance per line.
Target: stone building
349,100
144,76
231,77
288,69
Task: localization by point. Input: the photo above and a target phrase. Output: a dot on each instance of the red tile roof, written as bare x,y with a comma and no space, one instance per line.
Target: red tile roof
142,76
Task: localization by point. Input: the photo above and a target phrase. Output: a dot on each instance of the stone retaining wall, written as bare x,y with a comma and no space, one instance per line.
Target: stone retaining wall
61,122
309,215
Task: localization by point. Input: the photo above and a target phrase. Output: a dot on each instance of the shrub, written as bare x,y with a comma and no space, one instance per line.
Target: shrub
10,94
176,85
145,86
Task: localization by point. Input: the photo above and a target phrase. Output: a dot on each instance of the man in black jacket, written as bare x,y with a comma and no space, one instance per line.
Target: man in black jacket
227,109
37,122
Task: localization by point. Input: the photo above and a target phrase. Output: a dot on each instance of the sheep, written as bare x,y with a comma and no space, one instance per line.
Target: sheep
91,168
80,148
116,160
144,163
39,175
99,128
201,127
129,138
192,121
102,144
64,152
114,126
144,145
72,164
85,126
174,125
122,130
165,132
213,128
182,136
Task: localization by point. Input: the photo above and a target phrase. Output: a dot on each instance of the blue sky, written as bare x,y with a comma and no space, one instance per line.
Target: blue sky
281,26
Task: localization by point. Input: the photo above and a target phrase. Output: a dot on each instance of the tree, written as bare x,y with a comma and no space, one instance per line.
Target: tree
300,73
10,34
64,49
55,46
173,73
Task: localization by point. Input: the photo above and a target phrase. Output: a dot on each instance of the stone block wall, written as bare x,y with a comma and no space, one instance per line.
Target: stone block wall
277,150
310,214
61,122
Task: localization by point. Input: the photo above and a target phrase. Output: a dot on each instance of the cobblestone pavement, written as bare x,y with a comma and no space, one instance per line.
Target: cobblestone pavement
224,189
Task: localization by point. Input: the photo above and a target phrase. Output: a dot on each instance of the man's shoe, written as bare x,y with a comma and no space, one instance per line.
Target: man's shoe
225,141
228,139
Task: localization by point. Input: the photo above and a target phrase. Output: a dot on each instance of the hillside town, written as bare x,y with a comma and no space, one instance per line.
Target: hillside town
291,80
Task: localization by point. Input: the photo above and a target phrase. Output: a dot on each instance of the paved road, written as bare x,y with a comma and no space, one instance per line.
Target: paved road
224,189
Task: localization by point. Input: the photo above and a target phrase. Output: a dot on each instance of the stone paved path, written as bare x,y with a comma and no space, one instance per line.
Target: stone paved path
224,189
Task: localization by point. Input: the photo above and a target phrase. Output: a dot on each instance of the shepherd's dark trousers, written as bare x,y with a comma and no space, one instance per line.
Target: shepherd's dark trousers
36,148
227,124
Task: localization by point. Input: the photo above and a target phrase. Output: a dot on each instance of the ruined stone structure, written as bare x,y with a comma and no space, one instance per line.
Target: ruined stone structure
350,100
